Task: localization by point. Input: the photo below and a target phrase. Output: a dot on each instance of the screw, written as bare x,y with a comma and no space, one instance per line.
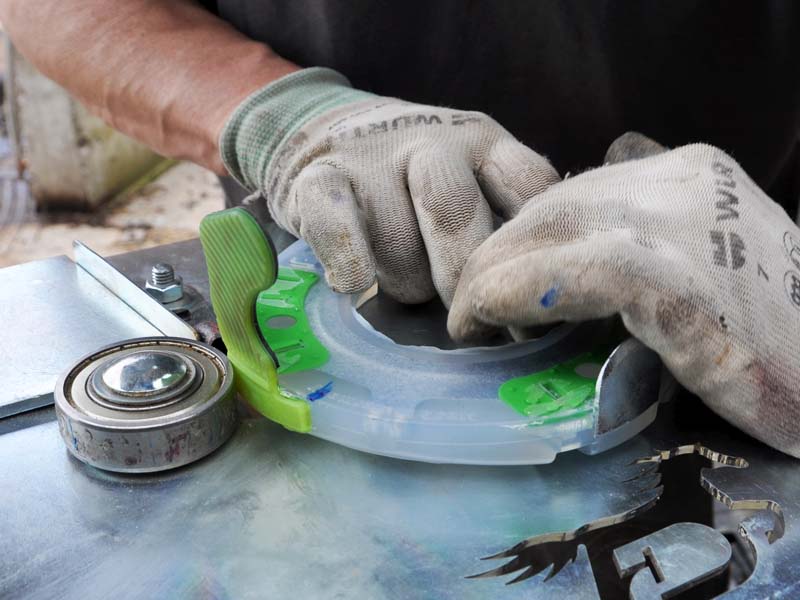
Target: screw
162,274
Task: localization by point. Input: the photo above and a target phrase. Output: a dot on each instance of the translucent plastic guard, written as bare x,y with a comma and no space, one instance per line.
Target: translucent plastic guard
424,403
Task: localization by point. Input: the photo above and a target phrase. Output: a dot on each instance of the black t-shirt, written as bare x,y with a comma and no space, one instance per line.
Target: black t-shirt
568,76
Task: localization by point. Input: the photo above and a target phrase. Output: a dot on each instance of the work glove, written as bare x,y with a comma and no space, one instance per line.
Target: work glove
378,186
702,266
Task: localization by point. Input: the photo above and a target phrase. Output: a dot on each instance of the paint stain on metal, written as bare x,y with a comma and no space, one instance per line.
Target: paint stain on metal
72,435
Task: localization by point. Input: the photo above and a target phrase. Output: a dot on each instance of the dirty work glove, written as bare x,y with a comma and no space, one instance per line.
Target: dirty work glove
378,186
701,265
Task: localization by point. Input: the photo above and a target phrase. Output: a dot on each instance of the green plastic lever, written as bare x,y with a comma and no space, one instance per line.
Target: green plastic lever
241,263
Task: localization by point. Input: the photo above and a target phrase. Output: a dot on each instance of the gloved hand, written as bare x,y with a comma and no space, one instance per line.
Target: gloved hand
378,186
701,265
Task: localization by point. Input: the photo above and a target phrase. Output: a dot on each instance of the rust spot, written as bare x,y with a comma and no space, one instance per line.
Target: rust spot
174,450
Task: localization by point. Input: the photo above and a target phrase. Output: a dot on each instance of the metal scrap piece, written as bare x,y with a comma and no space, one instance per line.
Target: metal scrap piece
679,557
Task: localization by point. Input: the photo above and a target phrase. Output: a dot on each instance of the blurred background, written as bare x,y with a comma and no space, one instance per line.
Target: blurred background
65,175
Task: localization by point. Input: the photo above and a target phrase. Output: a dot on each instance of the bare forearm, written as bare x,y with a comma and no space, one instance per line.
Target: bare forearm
166,72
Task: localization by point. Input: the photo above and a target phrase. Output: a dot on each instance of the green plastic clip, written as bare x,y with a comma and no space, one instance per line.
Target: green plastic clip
241,263
556,394
281,316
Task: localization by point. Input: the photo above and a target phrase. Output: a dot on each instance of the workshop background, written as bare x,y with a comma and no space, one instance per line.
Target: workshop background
65,175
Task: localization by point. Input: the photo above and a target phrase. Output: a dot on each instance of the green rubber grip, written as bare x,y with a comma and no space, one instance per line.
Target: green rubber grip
241,263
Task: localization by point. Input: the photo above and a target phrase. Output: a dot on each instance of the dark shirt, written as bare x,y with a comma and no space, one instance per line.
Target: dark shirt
568,76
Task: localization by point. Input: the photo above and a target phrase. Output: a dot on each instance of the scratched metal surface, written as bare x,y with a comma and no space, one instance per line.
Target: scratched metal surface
277,514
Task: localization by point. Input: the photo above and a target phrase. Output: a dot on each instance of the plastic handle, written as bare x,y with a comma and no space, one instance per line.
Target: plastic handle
241,263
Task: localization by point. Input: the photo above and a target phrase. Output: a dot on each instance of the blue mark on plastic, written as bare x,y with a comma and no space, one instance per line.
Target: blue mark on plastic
320,392
550,297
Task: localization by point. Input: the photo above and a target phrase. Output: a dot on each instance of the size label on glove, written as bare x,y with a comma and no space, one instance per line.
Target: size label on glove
791,282
792,248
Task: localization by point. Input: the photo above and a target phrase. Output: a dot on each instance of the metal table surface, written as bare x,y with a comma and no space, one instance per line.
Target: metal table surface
275,514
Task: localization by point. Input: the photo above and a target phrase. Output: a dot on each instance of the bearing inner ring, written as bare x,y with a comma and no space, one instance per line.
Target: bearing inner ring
145,379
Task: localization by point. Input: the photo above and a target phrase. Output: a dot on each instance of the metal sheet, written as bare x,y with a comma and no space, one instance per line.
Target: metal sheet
51,314
278,514
275,514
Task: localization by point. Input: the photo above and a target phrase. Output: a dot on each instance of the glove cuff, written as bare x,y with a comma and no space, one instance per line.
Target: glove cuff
273,114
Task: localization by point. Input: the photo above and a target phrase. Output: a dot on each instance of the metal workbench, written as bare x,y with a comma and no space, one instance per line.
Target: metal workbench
274,514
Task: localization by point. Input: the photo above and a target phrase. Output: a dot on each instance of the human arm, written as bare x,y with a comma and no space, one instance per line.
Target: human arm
166,72
382,189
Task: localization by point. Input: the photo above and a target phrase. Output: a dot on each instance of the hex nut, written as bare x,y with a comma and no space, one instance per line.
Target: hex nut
166,293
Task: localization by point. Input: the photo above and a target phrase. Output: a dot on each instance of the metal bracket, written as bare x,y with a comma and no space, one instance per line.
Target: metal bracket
131,294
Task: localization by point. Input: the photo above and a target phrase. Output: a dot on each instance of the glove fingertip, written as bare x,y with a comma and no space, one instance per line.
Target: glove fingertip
463,325
632,145
466,328
350,283
512,174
